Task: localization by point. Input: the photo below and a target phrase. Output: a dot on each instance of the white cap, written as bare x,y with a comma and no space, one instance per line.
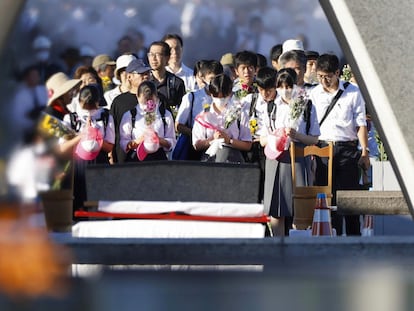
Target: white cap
292,44
41,42
123,62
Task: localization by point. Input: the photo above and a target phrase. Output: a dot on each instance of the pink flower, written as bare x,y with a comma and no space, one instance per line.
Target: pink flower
150,107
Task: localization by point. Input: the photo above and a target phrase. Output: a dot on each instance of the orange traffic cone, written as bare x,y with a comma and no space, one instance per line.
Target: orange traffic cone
368,228
321,225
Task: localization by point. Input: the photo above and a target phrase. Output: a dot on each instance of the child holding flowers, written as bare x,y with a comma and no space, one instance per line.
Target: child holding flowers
287,123
146,134
223,131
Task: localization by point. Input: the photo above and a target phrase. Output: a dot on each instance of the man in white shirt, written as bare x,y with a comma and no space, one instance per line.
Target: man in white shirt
175,64
345,125
122,63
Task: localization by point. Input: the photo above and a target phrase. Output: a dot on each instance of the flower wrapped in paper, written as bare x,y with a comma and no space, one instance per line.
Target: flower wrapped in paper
150,112
297,106
50,126
232,114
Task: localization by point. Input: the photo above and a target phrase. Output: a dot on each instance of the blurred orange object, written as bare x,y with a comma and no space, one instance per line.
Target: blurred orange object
30,264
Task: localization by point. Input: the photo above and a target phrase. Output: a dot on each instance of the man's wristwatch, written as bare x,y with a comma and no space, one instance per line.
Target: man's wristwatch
231,141
366,149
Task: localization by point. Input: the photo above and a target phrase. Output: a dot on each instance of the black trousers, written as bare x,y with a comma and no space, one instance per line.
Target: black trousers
345,176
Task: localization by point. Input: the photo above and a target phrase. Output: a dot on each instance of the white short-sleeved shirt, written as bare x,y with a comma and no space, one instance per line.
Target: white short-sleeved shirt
200,98
128,133
234,131
108,133
348,113
110,95
283,120
187,75
261,113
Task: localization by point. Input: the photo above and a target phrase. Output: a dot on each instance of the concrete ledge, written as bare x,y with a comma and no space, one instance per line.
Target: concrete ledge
371,202
271,252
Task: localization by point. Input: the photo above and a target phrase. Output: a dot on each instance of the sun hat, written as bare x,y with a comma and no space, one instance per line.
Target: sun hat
123,62
137,66
292,45
150,144
227,59
58,85
102,59
90,144
275,144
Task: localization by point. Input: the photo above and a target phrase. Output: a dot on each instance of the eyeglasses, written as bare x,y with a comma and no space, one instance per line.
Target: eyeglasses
157,55
325,77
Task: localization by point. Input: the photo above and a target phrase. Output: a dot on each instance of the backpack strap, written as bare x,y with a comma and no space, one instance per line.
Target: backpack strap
133,112
271,112
253,105
191,108
104,117
162,109
75,123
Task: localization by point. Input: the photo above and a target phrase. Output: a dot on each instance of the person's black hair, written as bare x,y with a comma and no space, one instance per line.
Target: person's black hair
211,66
266,78
261,60
173,36
89,96
221,84
286,75
327,63
275,52
245,58
165,47
197,66
294,55
147,88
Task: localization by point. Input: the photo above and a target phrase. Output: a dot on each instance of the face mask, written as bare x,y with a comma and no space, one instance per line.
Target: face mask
42,56
285,93
220,102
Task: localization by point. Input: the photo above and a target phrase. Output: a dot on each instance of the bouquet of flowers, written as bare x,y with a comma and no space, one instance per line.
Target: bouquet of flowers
150,112
245,90
346,73
297,106
232,114
53,127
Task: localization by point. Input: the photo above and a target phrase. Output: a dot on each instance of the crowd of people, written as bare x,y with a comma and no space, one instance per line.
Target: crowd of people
145,104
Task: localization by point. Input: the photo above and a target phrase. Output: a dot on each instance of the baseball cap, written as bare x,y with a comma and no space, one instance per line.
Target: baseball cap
291,45
137,66
150,144
123,62
90,144
275,144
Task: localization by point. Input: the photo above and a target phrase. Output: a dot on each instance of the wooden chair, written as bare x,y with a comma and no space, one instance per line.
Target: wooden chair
304,197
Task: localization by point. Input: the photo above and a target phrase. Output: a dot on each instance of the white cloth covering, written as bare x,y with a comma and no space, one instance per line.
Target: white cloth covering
191,208
143,228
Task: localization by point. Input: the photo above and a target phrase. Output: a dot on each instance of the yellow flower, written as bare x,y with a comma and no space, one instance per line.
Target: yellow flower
253,126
